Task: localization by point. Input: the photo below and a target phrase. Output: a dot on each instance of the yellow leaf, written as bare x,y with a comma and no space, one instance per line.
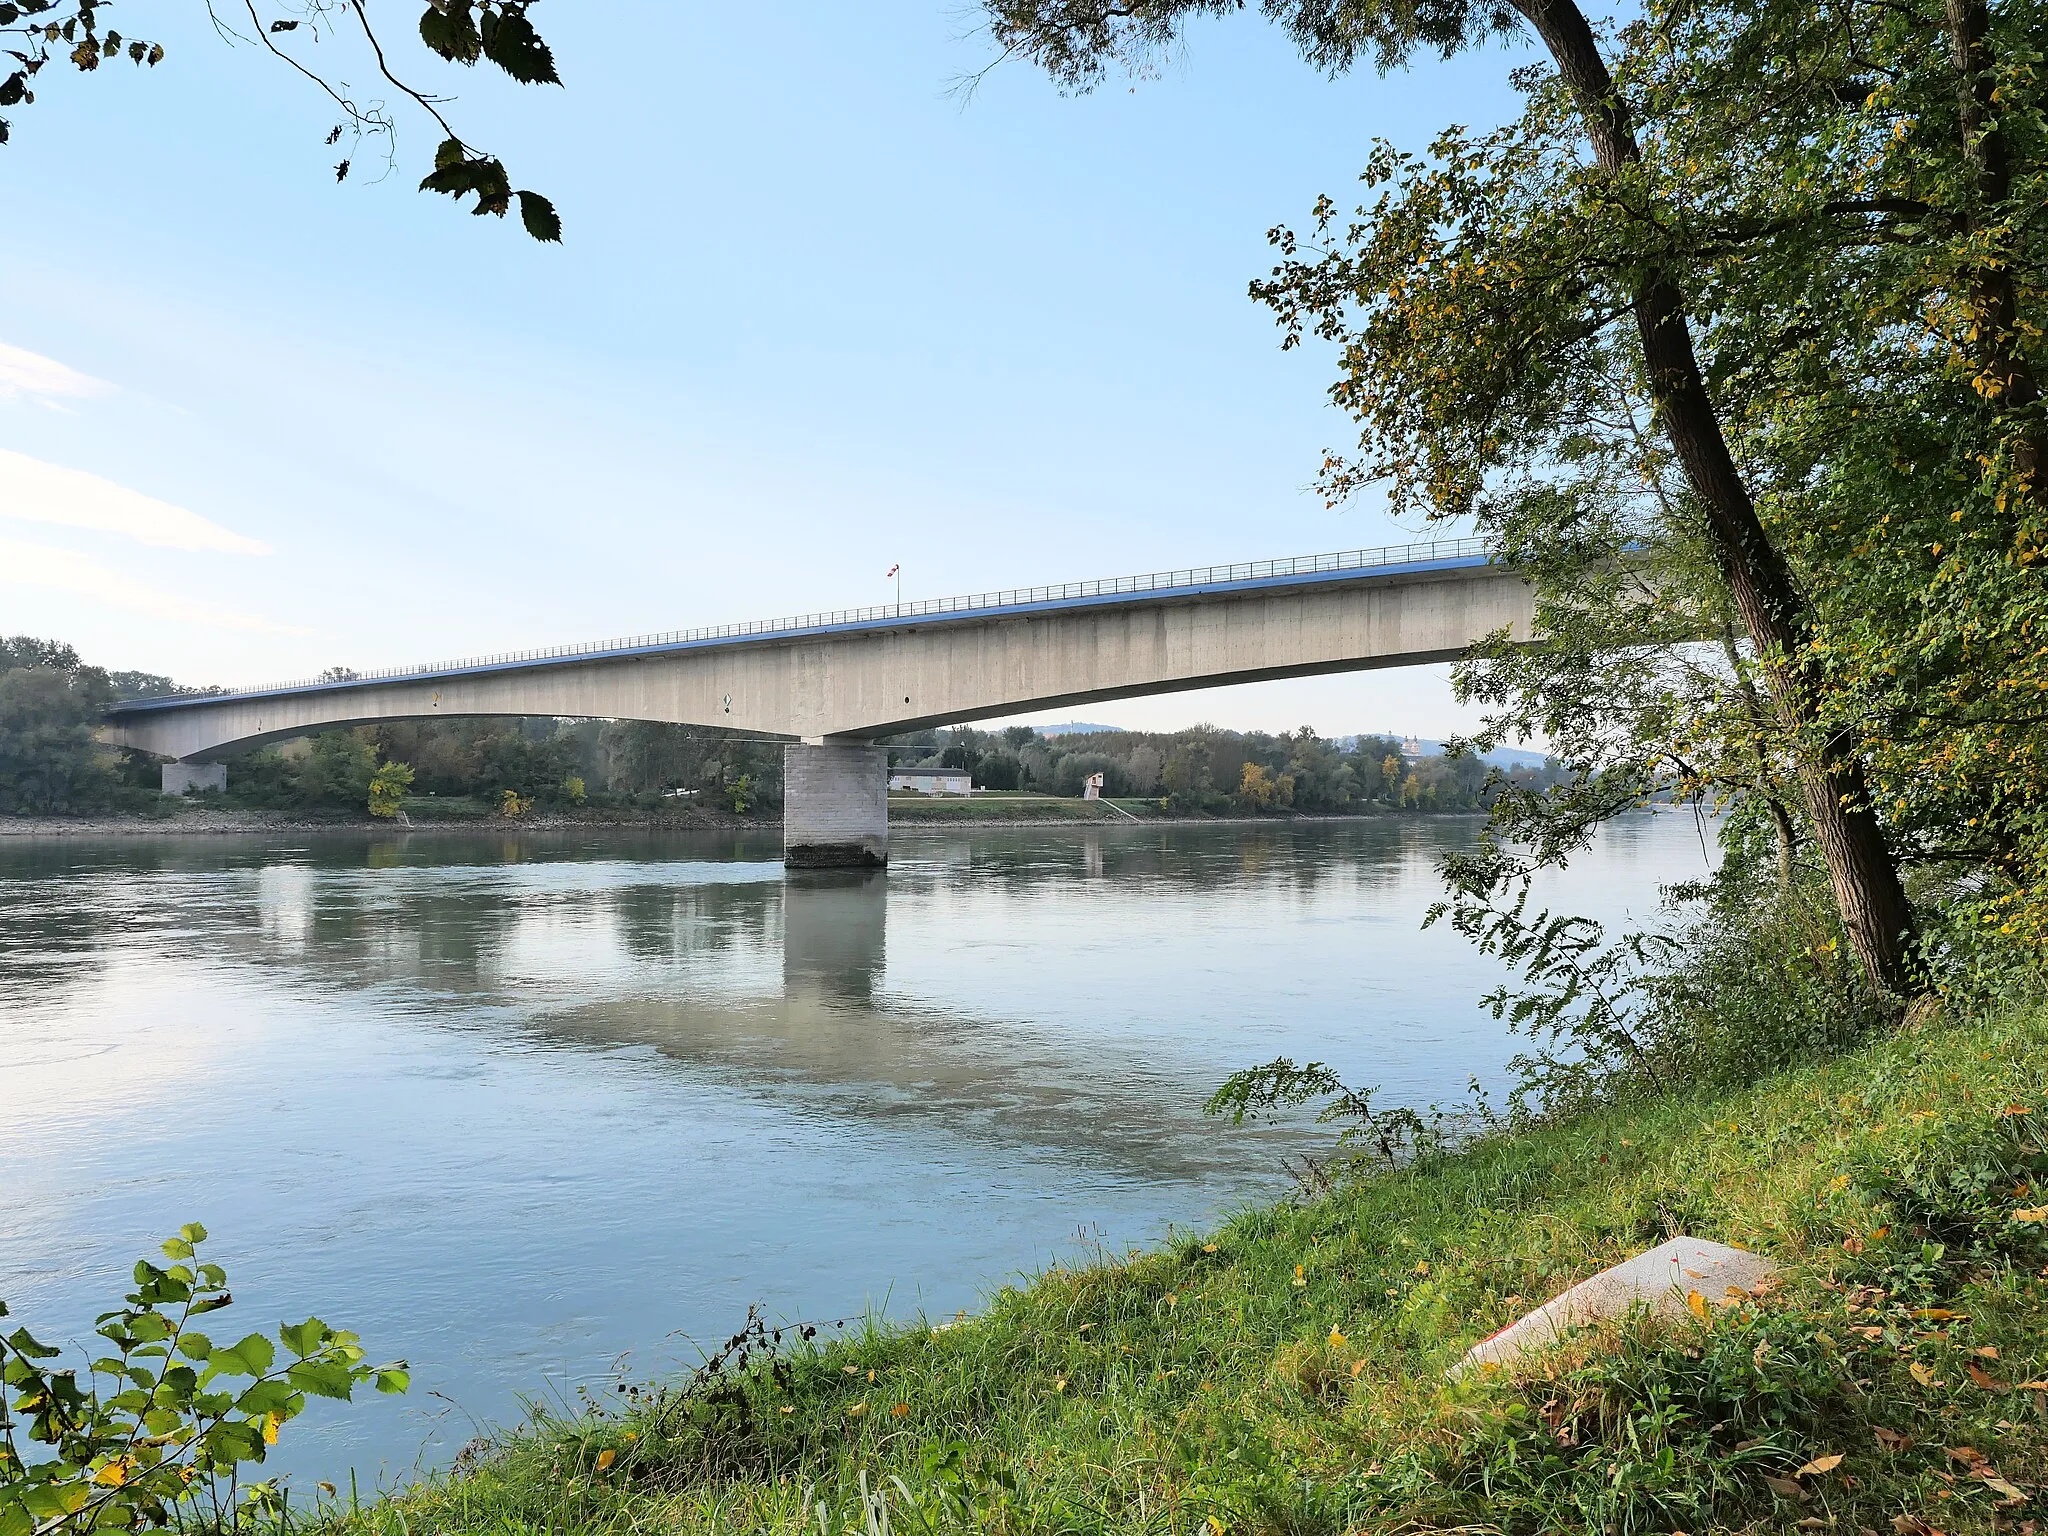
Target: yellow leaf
605,1458
1923,1375
1301,1274
1820,1464
2031,1213
856,1410
1422,1268
1208,1247
1356,1367
270,1424
113,1474
1696,1304
1337,1339
1986,1351
786,1408
900,1411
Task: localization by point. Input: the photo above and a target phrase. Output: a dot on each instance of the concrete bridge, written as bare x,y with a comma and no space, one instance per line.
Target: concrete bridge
836,682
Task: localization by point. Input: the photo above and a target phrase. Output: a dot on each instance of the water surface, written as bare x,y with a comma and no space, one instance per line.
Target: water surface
532,1110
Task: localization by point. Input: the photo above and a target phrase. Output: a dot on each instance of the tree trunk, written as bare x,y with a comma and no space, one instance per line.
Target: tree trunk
1994,297
1865,876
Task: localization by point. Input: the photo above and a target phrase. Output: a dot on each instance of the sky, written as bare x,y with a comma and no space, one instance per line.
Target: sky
815,314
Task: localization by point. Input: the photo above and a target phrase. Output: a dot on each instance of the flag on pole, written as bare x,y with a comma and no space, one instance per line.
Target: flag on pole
892,570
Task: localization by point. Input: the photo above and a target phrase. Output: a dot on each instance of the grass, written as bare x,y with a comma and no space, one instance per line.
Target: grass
1288,1372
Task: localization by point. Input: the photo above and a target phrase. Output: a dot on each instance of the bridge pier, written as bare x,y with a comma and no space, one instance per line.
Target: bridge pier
182,778
835,805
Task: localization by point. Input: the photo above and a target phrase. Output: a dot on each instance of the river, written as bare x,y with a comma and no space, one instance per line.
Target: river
541,1111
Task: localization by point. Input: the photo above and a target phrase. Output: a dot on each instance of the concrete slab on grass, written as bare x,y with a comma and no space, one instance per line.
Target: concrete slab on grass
1659,1279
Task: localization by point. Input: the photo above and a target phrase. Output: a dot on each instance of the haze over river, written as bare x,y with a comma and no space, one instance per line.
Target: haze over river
535,1111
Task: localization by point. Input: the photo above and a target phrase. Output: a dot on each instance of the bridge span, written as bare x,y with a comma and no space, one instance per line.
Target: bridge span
836,682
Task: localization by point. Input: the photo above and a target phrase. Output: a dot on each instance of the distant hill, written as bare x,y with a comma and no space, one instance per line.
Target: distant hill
1074,728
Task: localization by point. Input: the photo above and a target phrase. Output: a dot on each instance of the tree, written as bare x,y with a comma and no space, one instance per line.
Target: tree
50,703
36,34
387,789
1476,297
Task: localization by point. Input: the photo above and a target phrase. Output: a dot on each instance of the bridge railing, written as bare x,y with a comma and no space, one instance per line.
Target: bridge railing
1193,578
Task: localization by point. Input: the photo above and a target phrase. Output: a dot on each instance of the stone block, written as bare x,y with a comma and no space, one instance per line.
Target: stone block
1658,1280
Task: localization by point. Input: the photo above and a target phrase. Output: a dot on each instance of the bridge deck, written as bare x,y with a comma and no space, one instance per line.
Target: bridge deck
1160,586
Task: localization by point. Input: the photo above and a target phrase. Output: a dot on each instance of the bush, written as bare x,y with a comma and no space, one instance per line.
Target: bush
159,1430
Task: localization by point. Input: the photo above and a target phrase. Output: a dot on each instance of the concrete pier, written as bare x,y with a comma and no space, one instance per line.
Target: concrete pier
835,805
189,778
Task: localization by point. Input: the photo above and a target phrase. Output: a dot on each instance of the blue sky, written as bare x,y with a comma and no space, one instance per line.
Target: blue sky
815,315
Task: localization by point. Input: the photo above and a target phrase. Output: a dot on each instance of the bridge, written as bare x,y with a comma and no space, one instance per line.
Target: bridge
833,683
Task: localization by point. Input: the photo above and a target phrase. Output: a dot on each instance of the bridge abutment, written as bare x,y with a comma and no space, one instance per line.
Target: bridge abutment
835,805
185,778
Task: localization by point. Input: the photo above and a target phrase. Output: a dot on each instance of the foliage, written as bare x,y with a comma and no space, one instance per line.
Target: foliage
1206,770
50,704
739,794
36,33
1289,1372
1392,1134
159,1430
512,804
387,788
1584,996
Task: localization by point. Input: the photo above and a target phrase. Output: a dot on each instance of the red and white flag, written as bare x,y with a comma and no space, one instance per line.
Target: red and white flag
892,570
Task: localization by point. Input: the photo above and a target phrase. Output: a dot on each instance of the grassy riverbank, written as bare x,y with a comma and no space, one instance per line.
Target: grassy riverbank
1287,1373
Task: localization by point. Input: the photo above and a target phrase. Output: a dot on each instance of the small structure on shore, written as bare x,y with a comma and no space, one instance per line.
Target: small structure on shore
1092,788
932,781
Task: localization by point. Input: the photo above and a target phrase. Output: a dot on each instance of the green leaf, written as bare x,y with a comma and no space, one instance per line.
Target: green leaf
394,1379
256,1352
303,1338
195,1346
192,1232
266,1397
452,32
510,42
177,1248
322,1378
23,1343
540,218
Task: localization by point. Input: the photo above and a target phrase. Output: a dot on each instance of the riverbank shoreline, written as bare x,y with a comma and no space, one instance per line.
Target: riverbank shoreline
191,822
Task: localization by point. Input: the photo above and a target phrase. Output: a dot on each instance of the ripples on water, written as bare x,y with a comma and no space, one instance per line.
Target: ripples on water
524,1107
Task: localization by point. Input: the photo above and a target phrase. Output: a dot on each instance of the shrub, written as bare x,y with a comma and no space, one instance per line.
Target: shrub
159,1430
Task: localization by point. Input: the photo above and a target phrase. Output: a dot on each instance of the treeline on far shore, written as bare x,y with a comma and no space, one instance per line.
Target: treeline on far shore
50,763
